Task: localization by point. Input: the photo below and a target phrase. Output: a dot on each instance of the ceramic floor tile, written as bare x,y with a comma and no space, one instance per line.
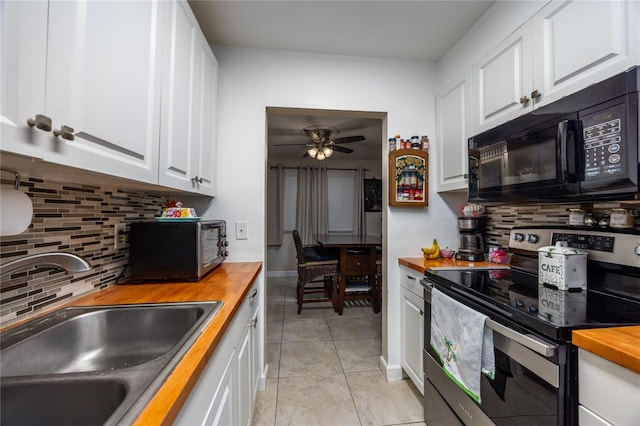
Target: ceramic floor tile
384,403
305,329
352,328
265,412
311,310
315,400
359,355
351,312
309,358
274,331
273,358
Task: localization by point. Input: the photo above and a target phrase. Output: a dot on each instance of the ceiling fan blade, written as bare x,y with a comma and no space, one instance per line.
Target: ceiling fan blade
313,134
339,148
290,144
348,139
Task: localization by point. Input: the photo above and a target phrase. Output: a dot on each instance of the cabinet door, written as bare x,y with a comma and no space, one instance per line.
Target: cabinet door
578,43
412,337
248,358
208,121
189,91
502,82
103,80
454,110
23,44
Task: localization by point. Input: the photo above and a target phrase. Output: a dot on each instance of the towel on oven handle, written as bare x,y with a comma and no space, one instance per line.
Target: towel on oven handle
463,343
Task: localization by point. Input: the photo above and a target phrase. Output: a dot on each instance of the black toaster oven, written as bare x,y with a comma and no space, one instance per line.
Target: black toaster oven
176,250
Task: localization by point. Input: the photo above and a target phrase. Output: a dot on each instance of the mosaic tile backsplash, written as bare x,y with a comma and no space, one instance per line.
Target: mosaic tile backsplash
72,218
500,219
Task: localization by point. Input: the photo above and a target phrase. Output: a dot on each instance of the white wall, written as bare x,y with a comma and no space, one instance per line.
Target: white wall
253,79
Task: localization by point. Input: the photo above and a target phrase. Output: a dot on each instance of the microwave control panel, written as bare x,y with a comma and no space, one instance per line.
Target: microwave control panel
603,148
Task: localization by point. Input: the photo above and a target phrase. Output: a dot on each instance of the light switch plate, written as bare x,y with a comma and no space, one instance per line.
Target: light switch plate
242,231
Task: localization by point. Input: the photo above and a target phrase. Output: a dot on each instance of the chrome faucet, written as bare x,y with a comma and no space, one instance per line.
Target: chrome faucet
67,261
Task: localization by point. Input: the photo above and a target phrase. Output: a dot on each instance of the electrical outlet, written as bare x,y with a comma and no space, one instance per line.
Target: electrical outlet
119,235
242,231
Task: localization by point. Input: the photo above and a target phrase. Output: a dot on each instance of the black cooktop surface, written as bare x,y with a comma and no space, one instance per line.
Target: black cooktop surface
525,303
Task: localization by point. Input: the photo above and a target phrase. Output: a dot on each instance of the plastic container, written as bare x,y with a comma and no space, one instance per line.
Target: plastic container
562,267
576,217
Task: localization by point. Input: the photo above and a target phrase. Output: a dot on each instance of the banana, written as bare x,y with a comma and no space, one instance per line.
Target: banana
432,252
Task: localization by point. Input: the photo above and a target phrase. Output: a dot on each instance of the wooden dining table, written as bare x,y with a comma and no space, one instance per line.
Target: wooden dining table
357,258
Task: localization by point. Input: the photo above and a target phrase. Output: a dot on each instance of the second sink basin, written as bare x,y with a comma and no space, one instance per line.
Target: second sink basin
87,339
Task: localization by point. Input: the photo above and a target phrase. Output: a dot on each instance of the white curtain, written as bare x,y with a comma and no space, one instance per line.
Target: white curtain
359,222
275,205
312,211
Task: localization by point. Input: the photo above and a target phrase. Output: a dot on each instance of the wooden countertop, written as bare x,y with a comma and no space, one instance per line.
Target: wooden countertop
230,283
618,344
420,264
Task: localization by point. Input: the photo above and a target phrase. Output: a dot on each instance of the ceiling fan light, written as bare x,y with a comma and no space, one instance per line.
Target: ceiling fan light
328,151
320,156
312,152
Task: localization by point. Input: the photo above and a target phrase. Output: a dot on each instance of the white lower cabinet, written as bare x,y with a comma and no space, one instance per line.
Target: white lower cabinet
609,394
226,390
412,321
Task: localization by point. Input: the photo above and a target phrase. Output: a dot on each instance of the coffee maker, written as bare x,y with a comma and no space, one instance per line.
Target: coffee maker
471,238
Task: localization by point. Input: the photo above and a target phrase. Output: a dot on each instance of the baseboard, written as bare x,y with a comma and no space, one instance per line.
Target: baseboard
262,380
393,373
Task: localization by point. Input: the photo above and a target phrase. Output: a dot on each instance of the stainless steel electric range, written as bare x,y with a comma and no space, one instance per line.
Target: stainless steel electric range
536,364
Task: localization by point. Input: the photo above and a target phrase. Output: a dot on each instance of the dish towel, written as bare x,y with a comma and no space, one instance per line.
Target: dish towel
463,343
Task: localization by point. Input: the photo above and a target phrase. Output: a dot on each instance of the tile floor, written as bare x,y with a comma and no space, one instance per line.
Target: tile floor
324,368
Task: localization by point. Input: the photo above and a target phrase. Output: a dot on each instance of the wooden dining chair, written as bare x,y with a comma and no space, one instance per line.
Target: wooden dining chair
359,285
318,273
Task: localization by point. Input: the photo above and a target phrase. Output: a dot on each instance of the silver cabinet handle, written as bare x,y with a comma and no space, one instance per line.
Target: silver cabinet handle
253,323
65,132
535,94
41,122
411,278
524,99
197,179
253,293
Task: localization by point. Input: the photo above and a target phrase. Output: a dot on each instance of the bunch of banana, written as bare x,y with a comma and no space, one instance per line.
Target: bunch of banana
432,252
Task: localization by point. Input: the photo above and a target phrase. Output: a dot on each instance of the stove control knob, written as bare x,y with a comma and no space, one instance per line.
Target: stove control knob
532,238
518,237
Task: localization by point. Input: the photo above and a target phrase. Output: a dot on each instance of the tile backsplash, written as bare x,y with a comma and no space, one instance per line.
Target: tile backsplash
73,218
500,219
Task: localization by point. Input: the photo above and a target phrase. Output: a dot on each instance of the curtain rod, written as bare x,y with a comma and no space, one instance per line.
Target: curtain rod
328,168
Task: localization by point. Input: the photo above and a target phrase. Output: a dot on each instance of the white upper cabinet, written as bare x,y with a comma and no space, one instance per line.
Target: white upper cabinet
454,110
578,43
83,84
101,86
189,87
23,49
502,81
566,46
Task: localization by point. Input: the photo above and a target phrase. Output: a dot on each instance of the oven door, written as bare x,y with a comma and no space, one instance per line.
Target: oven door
526,390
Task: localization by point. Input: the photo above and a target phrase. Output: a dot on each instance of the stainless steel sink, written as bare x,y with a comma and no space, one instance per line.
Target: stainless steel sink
118,355
75,402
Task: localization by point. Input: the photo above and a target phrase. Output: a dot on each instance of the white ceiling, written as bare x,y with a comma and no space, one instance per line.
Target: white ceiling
413,30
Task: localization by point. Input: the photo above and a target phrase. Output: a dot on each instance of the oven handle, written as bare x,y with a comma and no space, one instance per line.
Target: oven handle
527,340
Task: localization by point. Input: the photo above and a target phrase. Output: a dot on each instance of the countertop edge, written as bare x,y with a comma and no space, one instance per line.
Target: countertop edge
617,344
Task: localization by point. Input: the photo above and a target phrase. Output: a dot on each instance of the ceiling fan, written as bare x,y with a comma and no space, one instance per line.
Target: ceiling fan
322,145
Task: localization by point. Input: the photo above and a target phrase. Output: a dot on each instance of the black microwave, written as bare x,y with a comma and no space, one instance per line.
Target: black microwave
582,147
176,250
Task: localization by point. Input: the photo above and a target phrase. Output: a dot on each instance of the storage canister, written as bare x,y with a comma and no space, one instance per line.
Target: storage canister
621,218
576,217
562,267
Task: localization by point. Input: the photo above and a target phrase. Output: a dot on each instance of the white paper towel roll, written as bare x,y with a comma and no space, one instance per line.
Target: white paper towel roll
16,210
